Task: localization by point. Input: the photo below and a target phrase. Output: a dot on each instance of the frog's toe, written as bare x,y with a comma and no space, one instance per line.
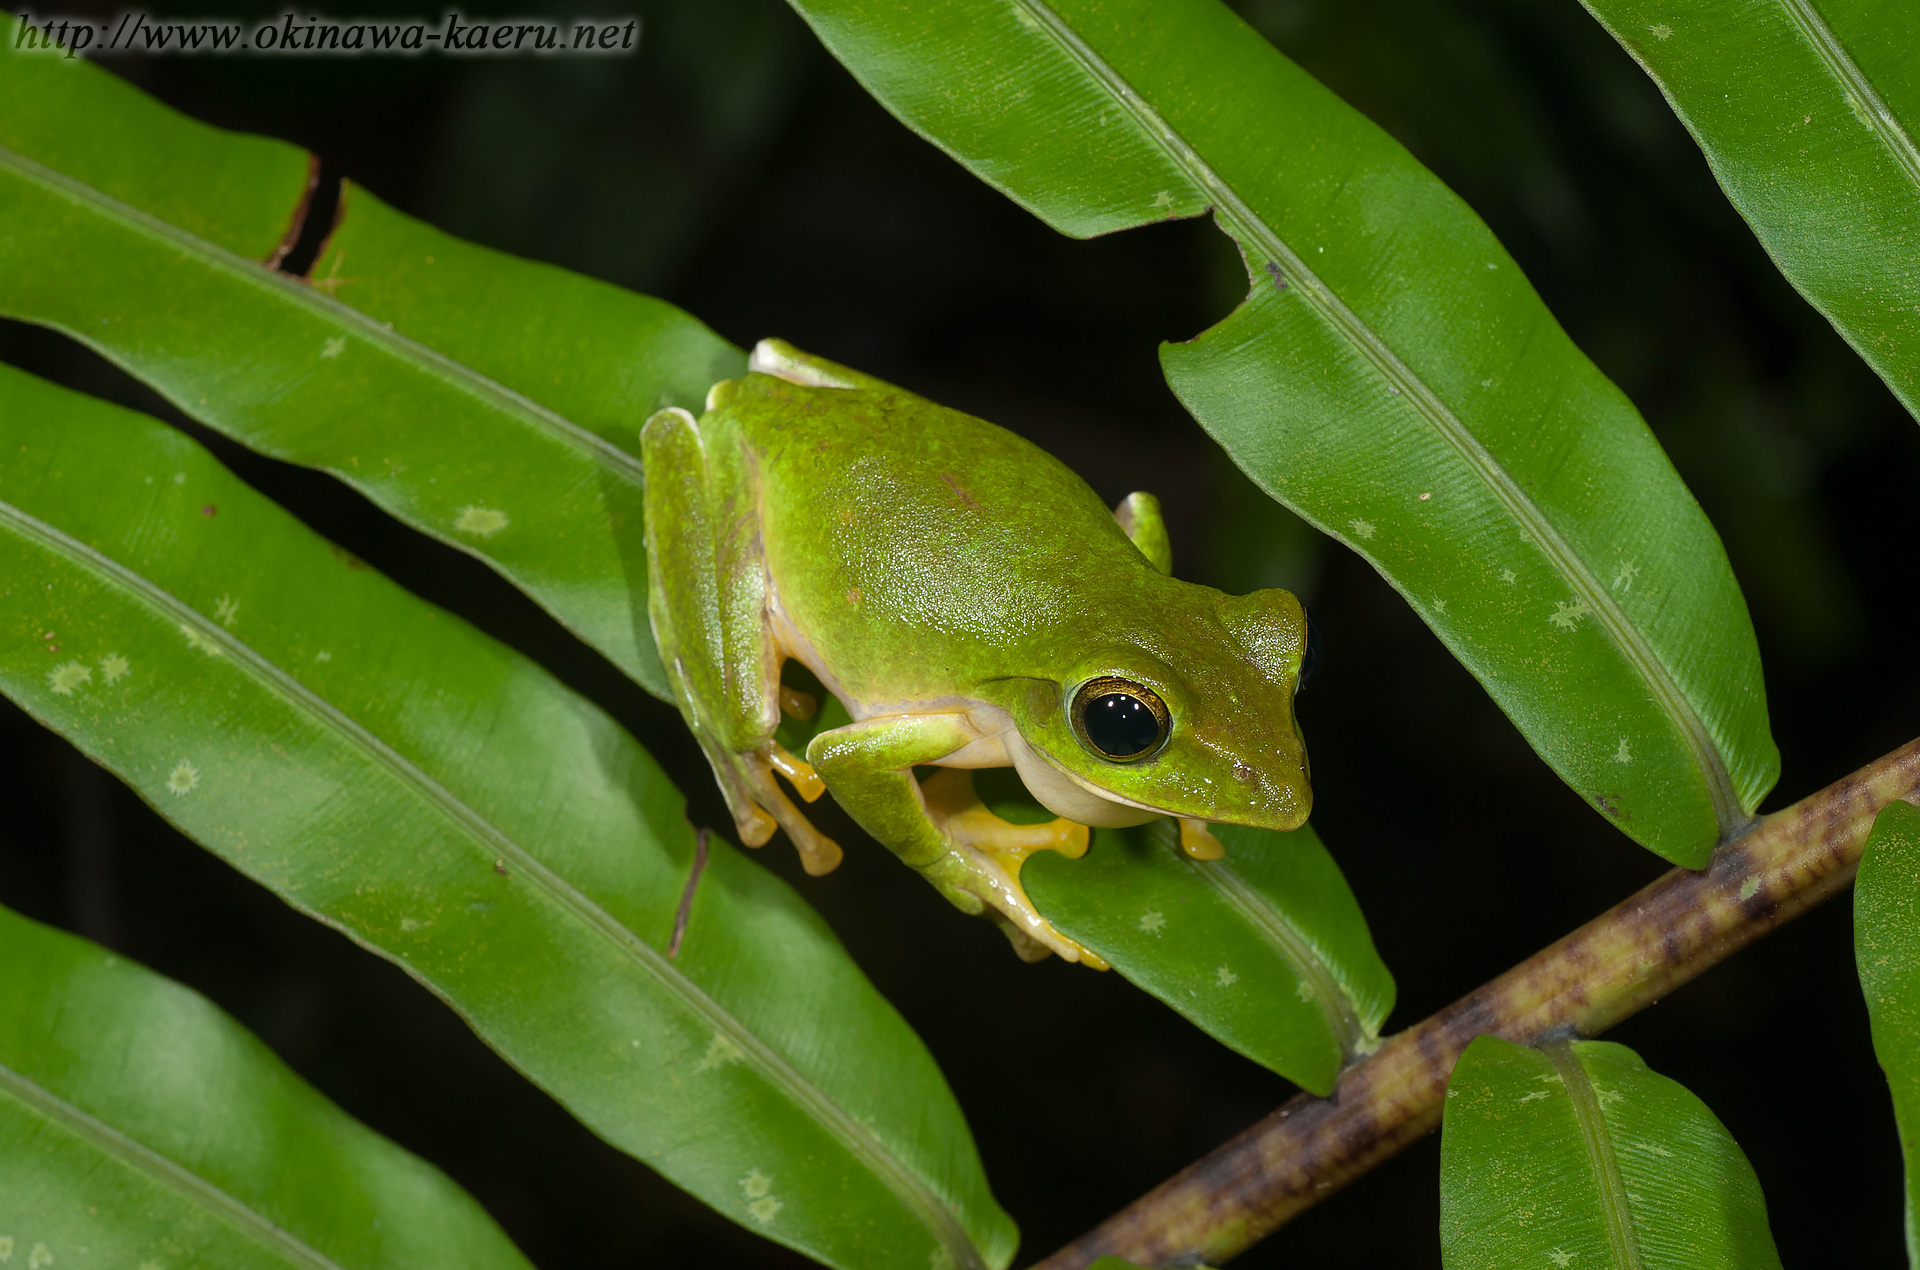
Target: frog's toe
1198,841
819,854
754,824
1025,946
970,824
799,773
759,808
991,879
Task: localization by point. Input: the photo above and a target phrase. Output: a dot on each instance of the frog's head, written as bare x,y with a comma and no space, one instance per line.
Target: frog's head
1194,718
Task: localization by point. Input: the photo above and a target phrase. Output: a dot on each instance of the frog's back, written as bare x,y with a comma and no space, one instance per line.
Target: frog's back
897,531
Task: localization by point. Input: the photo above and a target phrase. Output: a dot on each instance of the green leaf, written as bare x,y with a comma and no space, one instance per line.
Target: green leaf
1391,376
604,358
1886,944
442,800
1264,949
446,402
140,1126
1807,115
1580,1156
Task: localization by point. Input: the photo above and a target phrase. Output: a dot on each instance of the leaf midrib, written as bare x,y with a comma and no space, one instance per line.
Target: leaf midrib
1598,1140
861,1142
1334,1002
282,287
1729,815
163,1171
1882,122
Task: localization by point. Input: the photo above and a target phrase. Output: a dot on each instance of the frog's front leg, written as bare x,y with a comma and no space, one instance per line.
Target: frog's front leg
971,855
707,601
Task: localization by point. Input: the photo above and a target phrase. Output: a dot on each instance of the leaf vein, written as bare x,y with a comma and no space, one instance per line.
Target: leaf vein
456,375
160,1169
1342,1018
1598,1138
1880,120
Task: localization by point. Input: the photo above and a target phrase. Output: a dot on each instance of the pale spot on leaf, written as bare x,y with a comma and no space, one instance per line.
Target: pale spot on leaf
114,667
6,1247
1623,754
1536,1096
1749,888
41,1255
720,1051
1623,577
758,1188
482,522
1509,577
1661,31
323,655
1439,604
63,679
333,347
1361,528
184,778
1560,1257
1654,1148
1225,977
1152,922
1567,613
200,640
225,610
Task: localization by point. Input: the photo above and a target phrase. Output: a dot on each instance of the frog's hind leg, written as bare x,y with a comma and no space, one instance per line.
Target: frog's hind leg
707,601
938,827
989,854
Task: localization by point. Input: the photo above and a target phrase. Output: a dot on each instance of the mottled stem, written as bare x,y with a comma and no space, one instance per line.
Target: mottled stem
1625,959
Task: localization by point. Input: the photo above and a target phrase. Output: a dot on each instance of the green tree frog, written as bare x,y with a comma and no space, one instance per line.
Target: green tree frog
972,603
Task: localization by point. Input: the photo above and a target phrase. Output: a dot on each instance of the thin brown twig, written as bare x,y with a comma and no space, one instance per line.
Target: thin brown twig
685,911
1618,963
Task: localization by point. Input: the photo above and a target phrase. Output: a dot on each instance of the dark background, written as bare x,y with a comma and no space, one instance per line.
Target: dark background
733,168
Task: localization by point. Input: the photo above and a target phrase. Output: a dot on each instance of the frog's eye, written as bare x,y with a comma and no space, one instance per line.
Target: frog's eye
1310,660
1119,719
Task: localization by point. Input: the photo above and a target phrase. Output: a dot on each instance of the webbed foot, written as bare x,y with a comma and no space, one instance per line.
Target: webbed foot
981,870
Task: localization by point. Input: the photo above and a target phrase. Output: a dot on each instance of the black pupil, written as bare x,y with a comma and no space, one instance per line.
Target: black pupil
1121,726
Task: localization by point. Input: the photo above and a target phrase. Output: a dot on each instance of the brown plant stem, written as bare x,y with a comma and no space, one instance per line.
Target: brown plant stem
1618,963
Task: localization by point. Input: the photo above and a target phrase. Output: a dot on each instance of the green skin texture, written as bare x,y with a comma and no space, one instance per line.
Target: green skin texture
953,585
